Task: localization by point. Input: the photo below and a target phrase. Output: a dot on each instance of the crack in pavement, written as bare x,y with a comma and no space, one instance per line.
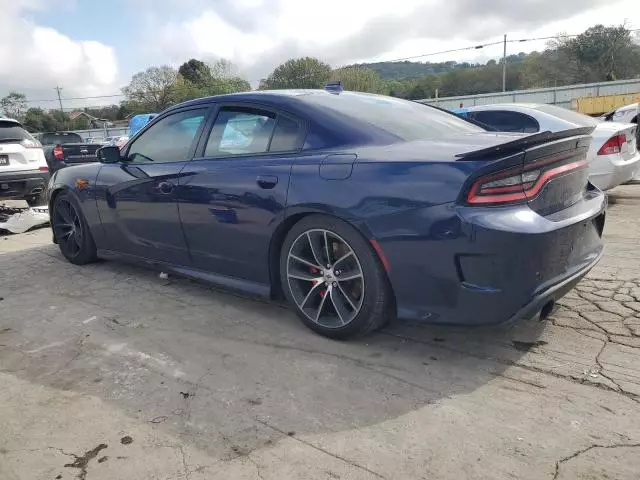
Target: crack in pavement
187,472
320,449
588,449
257,465
82,462
511,363
601,367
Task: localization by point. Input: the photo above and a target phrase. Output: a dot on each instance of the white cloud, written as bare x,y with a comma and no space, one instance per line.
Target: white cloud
259,34
34,59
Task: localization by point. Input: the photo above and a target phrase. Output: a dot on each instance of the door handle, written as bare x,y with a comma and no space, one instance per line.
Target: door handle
267,181
165,187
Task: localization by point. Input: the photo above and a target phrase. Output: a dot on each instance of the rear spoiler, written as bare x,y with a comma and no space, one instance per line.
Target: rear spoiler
524,143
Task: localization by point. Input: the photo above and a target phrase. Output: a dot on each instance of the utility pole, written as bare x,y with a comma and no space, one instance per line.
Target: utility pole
504,65
58,89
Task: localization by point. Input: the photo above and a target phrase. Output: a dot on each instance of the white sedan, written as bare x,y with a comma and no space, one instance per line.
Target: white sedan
613,156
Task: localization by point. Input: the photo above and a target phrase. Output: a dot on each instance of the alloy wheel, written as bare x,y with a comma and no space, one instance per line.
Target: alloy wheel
68,227
325,278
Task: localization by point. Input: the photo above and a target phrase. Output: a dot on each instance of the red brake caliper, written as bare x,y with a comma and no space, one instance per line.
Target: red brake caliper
316,282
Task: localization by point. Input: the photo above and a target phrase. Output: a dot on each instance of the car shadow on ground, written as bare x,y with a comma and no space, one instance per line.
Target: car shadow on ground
227,372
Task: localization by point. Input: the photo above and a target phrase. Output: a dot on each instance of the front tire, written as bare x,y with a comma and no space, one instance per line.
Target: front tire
71,231
333,279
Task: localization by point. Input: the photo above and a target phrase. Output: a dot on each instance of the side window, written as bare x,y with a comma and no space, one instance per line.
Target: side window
242,131
169,140
505,121
286,137
238,131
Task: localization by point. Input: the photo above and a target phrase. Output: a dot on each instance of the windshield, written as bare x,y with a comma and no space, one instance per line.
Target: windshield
60,138
11,131
568,115
407,120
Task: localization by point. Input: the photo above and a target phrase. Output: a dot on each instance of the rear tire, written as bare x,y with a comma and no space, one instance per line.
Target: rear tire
71,231
337,287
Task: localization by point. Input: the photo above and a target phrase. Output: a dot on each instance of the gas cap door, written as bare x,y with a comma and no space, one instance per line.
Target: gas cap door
337,166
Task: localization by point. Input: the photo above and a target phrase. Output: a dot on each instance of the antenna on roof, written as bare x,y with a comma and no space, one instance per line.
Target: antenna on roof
334,86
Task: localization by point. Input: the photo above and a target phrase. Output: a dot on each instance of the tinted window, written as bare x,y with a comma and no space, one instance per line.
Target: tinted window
504,121
60,138
407,120
568,115
240,131
10,131
169,140
286,137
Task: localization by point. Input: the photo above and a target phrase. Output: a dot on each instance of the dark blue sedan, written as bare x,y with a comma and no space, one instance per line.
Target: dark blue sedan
357,208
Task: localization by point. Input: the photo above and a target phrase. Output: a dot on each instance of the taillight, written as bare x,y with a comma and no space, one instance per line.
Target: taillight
44,169
613,145
58,152
518,184
27,143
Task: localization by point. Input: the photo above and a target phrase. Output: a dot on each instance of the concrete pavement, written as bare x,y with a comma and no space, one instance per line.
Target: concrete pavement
107,371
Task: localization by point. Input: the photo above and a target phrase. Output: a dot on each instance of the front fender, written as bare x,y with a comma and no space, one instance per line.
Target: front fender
79,181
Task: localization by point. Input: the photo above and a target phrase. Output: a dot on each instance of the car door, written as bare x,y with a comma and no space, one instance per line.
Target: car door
137,199
506,121
231,195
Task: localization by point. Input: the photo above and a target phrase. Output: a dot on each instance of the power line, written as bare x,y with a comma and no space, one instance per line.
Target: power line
413,57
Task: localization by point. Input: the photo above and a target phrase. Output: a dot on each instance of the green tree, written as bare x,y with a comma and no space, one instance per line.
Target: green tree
306,72
359,79
38,120
603,53
152,88
226,79
195,71
14,105
223,68
183,90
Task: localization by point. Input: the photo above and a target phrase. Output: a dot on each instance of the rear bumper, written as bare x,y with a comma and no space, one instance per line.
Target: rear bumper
20,185
615,172
554,292
482,266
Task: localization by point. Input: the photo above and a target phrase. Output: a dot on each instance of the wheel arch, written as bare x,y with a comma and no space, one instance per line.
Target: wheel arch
289,221
57,190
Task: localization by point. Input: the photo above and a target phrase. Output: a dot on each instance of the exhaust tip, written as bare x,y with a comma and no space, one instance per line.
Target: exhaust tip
547,310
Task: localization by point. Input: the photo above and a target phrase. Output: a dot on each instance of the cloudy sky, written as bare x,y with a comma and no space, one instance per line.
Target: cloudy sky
92,47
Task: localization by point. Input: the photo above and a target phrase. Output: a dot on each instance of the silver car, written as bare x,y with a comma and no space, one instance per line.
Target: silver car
613,156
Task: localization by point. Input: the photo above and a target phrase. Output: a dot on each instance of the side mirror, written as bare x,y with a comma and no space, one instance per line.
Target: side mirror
108,154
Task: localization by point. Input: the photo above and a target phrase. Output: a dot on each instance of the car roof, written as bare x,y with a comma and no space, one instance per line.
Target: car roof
274,97
7,119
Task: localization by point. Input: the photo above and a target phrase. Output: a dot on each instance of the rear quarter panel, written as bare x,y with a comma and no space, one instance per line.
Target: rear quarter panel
375,192
409,208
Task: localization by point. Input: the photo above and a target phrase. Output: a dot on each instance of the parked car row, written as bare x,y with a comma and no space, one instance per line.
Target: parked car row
614,154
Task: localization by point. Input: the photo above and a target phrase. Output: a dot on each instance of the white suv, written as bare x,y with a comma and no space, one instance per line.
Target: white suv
24,173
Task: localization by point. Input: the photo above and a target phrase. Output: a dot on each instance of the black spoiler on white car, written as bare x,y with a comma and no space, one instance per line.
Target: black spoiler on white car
524,143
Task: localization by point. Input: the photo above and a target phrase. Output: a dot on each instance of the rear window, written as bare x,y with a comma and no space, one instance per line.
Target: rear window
568,115
10,131
60,138
407,120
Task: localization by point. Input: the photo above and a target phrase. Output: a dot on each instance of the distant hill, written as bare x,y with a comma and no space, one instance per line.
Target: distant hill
406,69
